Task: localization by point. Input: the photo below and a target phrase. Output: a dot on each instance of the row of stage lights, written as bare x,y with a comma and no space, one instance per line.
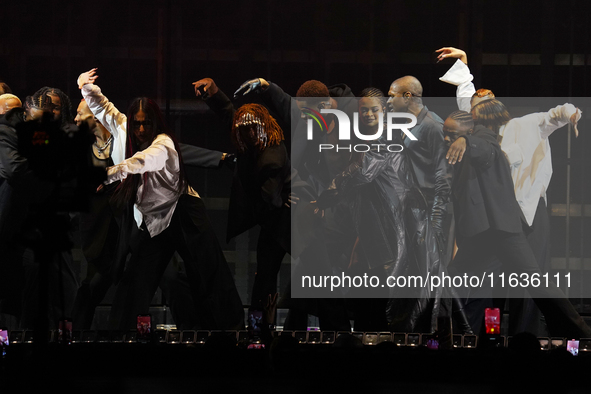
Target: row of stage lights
189,337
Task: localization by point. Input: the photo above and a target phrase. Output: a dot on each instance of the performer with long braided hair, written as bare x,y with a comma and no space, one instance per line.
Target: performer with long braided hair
168,216
263,178
62,106
262,195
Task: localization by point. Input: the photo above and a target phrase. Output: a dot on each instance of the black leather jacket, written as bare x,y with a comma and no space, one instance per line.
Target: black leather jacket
433,172
13,166
390,217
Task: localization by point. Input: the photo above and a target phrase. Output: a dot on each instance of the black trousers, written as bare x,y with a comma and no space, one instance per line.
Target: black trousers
515,256
524,315
100,233
331,312
217,303
276,241
174,285
269,257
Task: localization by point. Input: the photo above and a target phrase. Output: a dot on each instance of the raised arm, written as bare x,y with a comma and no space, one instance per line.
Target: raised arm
217,101
151,159
274,97
101,107
458,75
558,117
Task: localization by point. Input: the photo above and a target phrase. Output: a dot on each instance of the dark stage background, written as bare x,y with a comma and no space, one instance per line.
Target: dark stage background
157,48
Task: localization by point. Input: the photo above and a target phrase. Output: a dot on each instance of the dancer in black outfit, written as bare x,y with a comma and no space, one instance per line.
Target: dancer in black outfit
489,219
262,195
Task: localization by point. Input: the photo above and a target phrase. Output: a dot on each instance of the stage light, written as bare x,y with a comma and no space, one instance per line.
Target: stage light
173,337
76,336
16,336
301,336
399,338
328,337
88,336
161,335
188,336
384,337
103,336
201,336
29,336
117,336
457,340
131,336
243,335
544,343
314,337
470,341
557,342
585,345
413,339
370,338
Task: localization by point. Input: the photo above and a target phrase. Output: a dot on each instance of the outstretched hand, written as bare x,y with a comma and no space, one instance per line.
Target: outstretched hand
293,199
253,85
452,52
87,77
207,85
270,309
456,151
574,119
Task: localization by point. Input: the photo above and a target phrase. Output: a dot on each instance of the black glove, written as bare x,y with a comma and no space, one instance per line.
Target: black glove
328,198
438,213
253,85
441,242
343,178
229,161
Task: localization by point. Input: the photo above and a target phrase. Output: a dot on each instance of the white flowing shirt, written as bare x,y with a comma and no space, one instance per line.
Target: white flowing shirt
525,142
158,191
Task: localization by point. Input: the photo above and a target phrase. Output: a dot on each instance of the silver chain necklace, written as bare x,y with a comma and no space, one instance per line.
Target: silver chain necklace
101,149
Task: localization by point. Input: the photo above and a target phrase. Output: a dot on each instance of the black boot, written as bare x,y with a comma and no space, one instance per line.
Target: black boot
460,318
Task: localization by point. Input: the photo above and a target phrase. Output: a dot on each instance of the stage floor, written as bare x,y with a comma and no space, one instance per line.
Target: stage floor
288,367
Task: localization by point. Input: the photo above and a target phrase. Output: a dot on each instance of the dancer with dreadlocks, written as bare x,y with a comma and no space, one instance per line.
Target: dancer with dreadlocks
17,188
266,179
262,195
62,106
29,183
263,174
168,213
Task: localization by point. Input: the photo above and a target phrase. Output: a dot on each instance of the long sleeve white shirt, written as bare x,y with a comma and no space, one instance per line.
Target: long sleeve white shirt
110,117
525,142
459,75
158,191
